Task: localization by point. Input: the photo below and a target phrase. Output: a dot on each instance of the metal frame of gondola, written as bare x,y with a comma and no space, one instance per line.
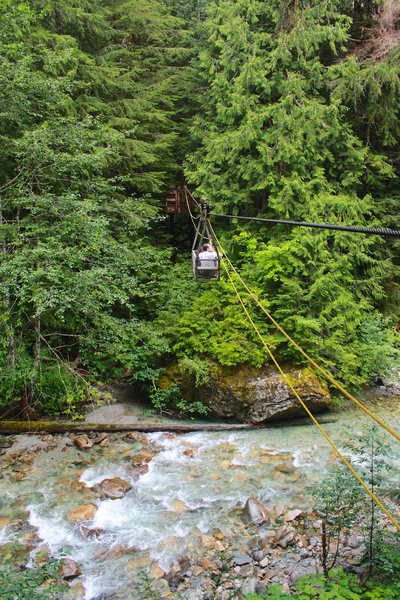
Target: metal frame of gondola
205,234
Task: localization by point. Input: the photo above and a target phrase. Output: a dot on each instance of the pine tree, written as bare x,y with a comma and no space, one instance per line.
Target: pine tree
274,139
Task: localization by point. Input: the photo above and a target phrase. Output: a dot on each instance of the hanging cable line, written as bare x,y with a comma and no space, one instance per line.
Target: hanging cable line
323,372
382,231
360,480
351,228
192,217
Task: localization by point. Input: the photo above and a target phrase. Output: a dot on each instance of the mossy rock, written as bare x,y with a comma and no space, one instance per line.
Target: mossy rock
246,393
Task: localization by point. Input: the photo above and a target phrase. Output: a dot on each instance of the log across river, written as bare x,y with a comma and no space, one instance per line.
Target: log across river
12,427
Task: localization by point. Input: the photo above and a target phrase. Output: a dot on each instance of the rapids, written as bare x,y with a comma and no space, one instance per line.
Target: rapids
195,485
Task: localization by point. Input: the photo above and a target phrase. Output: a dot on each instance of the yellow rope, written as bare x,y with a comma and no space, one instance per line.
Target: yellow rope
196,228
305,407
325,373
190,213
192,197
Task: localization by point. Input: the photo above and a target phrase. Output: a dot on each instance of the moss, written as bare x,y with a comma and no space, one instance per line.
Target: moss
304,380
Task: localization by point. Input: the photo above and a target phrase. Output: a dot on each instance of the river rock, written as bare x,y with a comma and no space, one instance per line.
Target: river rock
355,541
178,506
255,511
136,436
189,452
258,555
142,458
113,488
69,568
207,541
241,559
90,532
4,521
140,563
85,512
249,586
83,442
292,515
246,393
284,536
285,468
156,571
100,437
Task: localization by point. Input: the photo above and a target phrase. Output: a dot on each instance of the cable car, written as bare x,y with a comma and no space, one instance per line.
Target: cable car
206,259
177,202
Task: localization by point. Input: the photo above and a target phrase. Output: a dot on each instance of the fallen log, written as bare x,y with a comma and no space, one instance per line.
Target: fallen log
14,427
66,426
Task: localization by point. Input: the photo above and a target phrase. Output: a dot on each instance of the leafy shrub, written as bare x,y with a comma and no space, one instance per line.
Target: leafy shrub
170,400
17,581
337,586
59,392
197,368
345,504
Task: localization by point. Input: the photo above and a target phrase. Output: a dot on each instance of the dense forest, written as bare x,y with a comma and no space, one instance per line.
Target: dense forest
286,109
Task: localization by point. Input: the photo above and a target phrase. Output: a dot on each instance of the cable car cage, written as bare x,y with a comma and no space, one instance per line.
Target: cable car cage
206,259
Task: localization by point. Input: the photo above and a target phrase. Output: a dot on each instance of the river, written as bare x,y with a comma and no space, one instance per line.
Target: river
185,490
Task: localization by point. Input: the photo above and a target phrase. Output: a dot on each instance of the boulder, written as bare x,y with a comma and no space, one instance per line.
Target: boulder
255,511
156,571
292,515
241,559
258,395
113,488
142,458
246,393
179,506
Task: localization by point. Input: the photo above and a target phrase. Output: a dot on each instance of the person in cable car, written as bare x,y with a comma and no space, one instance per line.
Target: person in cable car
207,260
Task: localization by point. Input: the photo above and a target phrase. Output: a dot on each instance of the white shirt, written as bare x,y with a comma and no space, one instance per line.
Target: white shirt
205,259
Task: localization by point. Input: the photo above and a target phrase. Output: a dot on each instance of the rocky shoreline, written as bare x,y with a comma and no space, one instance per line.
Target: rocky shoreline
257,546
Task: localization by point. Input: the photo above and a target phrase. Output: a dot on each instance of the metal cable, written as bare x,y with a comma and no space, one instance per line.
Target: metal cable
351,228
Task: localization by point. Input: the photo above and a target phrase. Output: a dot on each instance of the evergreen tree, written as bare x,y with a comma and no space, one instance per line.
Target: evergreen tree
274,139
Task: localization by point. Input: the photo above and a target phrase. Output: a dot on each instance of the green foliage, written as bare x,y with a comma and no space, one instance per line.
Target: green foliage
170,400
163,398
60,392
86,102
196,368
337,586
216,327
37,582
346,505
386,555
274,138
146,586
95,99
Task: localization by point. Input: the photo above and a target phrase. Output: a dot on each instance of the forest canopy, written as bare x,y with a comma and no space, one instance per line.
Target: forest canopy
276,109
